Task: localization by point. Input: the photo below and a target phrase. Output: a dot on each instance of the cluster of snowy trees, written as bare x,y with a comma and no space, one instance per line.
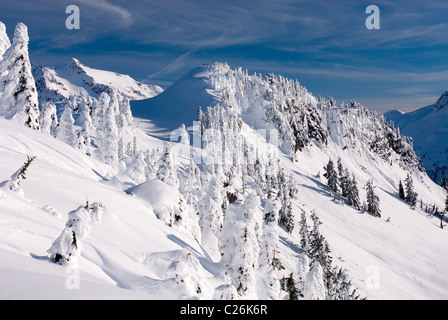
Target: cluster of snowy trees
318,277
342,182
301,119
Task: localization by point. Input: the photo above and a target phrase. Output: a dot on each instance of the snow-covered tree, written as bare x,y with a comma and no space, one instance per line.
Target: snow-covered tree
65,132
13,183
67,247
287,192
48,118
270,237
314,284
444,183
18,94
4,40
353,193
332,176
211,216
268,261
107,134
303,267
240,244
166,169
373,201
411,195
340,287
401,191
83,140
304,233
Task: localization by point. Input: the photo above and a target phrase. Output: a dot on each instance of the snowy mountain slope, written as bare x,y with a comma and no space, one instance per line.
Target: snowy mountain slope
119,250
243,211
79,81
138,246
428,127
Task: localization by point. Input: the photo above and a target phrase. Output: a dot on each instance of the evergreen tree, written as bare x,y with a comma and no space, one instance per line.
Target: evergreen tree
304,233
353,193
373,202
290,287
18,93
14,183
47,118
401,191
83,141
332,176
166,170
444,183
411,195
65,132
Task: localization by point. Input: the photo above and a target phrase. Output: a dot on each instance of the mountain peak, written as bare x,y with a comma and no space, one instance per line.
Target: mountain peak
441,103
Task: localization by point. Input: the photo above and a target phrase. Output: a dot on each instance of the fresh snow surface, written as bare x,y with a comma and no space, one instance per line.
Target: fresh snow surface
178,104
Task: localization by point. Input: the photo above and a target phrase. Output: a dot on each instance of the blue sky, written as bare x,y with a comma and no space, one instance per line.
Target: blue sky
323,44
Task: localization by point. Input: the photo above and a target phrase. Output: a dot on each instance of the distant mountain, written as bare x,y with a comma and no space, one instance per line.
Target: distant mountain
428,127
79,81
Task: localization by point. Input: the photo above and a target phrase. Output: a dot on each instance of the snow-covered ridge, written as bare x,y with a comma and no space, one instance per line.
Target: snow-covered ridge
78,81
276,103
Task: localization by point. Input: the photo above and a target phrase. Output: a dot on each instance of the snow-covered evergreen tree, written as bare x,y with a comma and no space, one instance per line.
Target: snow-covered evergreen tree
4,40
65,132
13,183
18,94
304,233
332,176
268,261
211,216
107,135
166,169
67,247
353,193
240,244
83,141
373,201
411,195
401,191
48,119
444,183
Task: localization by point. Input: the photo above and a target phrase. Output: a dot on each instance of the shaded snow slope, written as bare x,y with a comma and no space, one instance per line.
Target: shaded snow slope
428,127
179,103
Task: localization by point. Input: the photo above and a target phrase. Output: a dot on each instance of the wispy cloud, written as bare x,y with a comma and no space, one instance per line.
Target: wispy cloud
115,11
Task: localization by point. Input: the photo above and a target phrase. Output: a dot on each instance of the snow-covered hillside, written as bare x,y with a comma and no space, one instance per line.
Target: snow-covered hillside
243,205
428,127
